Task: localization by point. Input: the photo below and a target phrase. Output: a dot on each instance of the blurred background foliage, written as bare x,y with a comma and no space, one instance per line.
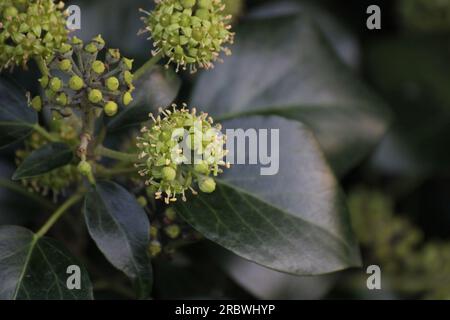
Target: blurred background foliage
398,184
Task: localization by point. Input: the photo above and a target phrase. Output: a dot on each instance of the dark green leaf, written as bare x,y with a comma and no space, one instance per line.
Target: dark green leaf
340,38
43,160
284,66
295,221
268,284
158,87
120,228
36,268
16,117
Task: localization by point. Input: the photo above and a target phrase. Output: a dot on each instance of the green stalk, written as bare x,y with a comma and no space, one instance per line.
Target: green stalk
107,173
117,155
41,65
147,66
43,132
58,213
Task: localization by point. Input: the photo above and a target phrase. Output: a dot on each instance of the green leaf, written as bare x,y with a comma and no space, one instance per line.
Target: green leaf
36,268
120,228
16,117
43,160
295,221
267,284
158,87
284,66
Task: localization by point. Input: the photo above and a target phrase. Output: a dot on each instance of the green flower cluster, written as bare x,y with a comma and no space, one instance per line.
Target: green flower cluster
167,231
411,265
425,15
56,181
30,28
78,76
189,32
178,150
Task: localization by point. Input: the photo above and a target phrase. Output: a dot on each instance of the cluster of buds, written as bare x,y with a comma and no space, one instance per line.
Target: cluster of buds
56,181
189,32
179,150
167,231
30,28
77,76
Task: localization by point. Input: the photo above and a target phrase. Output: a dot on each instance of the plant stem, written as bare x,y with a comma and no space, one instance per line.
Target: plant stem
58,213
147,66
87,131
43,132
117,155
41,65
106,173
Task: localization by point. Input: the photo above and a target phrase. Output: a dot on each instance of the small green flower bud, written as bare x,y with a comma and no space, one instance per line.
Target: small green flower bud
76,41
112,56
62,99
142,201
43,81
128,63
36,103
95,96
76,83
202,14
128,77
207,185
127,98
10,12
154,248
112,83
205,4
111,108
99,40
65,65
85,168
91,48
65,48
172,231
202,167
153,232
170,214
188,3
98,67
168,174
55,84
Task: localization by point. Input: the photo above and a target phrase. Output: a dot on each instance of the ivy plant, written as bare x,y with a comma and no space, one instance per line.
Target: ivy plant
98,141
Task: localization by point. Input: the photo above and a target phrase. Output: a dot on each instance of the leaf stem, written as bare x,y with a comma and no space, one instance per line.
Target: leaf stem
107,173
43,132
59,212
117,155
41,65
147,66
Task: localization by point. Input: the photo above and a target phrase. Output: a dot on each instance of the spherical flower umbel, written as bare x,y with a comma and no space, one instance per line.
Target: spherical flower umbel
189,32
80,76
180,150
30,28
